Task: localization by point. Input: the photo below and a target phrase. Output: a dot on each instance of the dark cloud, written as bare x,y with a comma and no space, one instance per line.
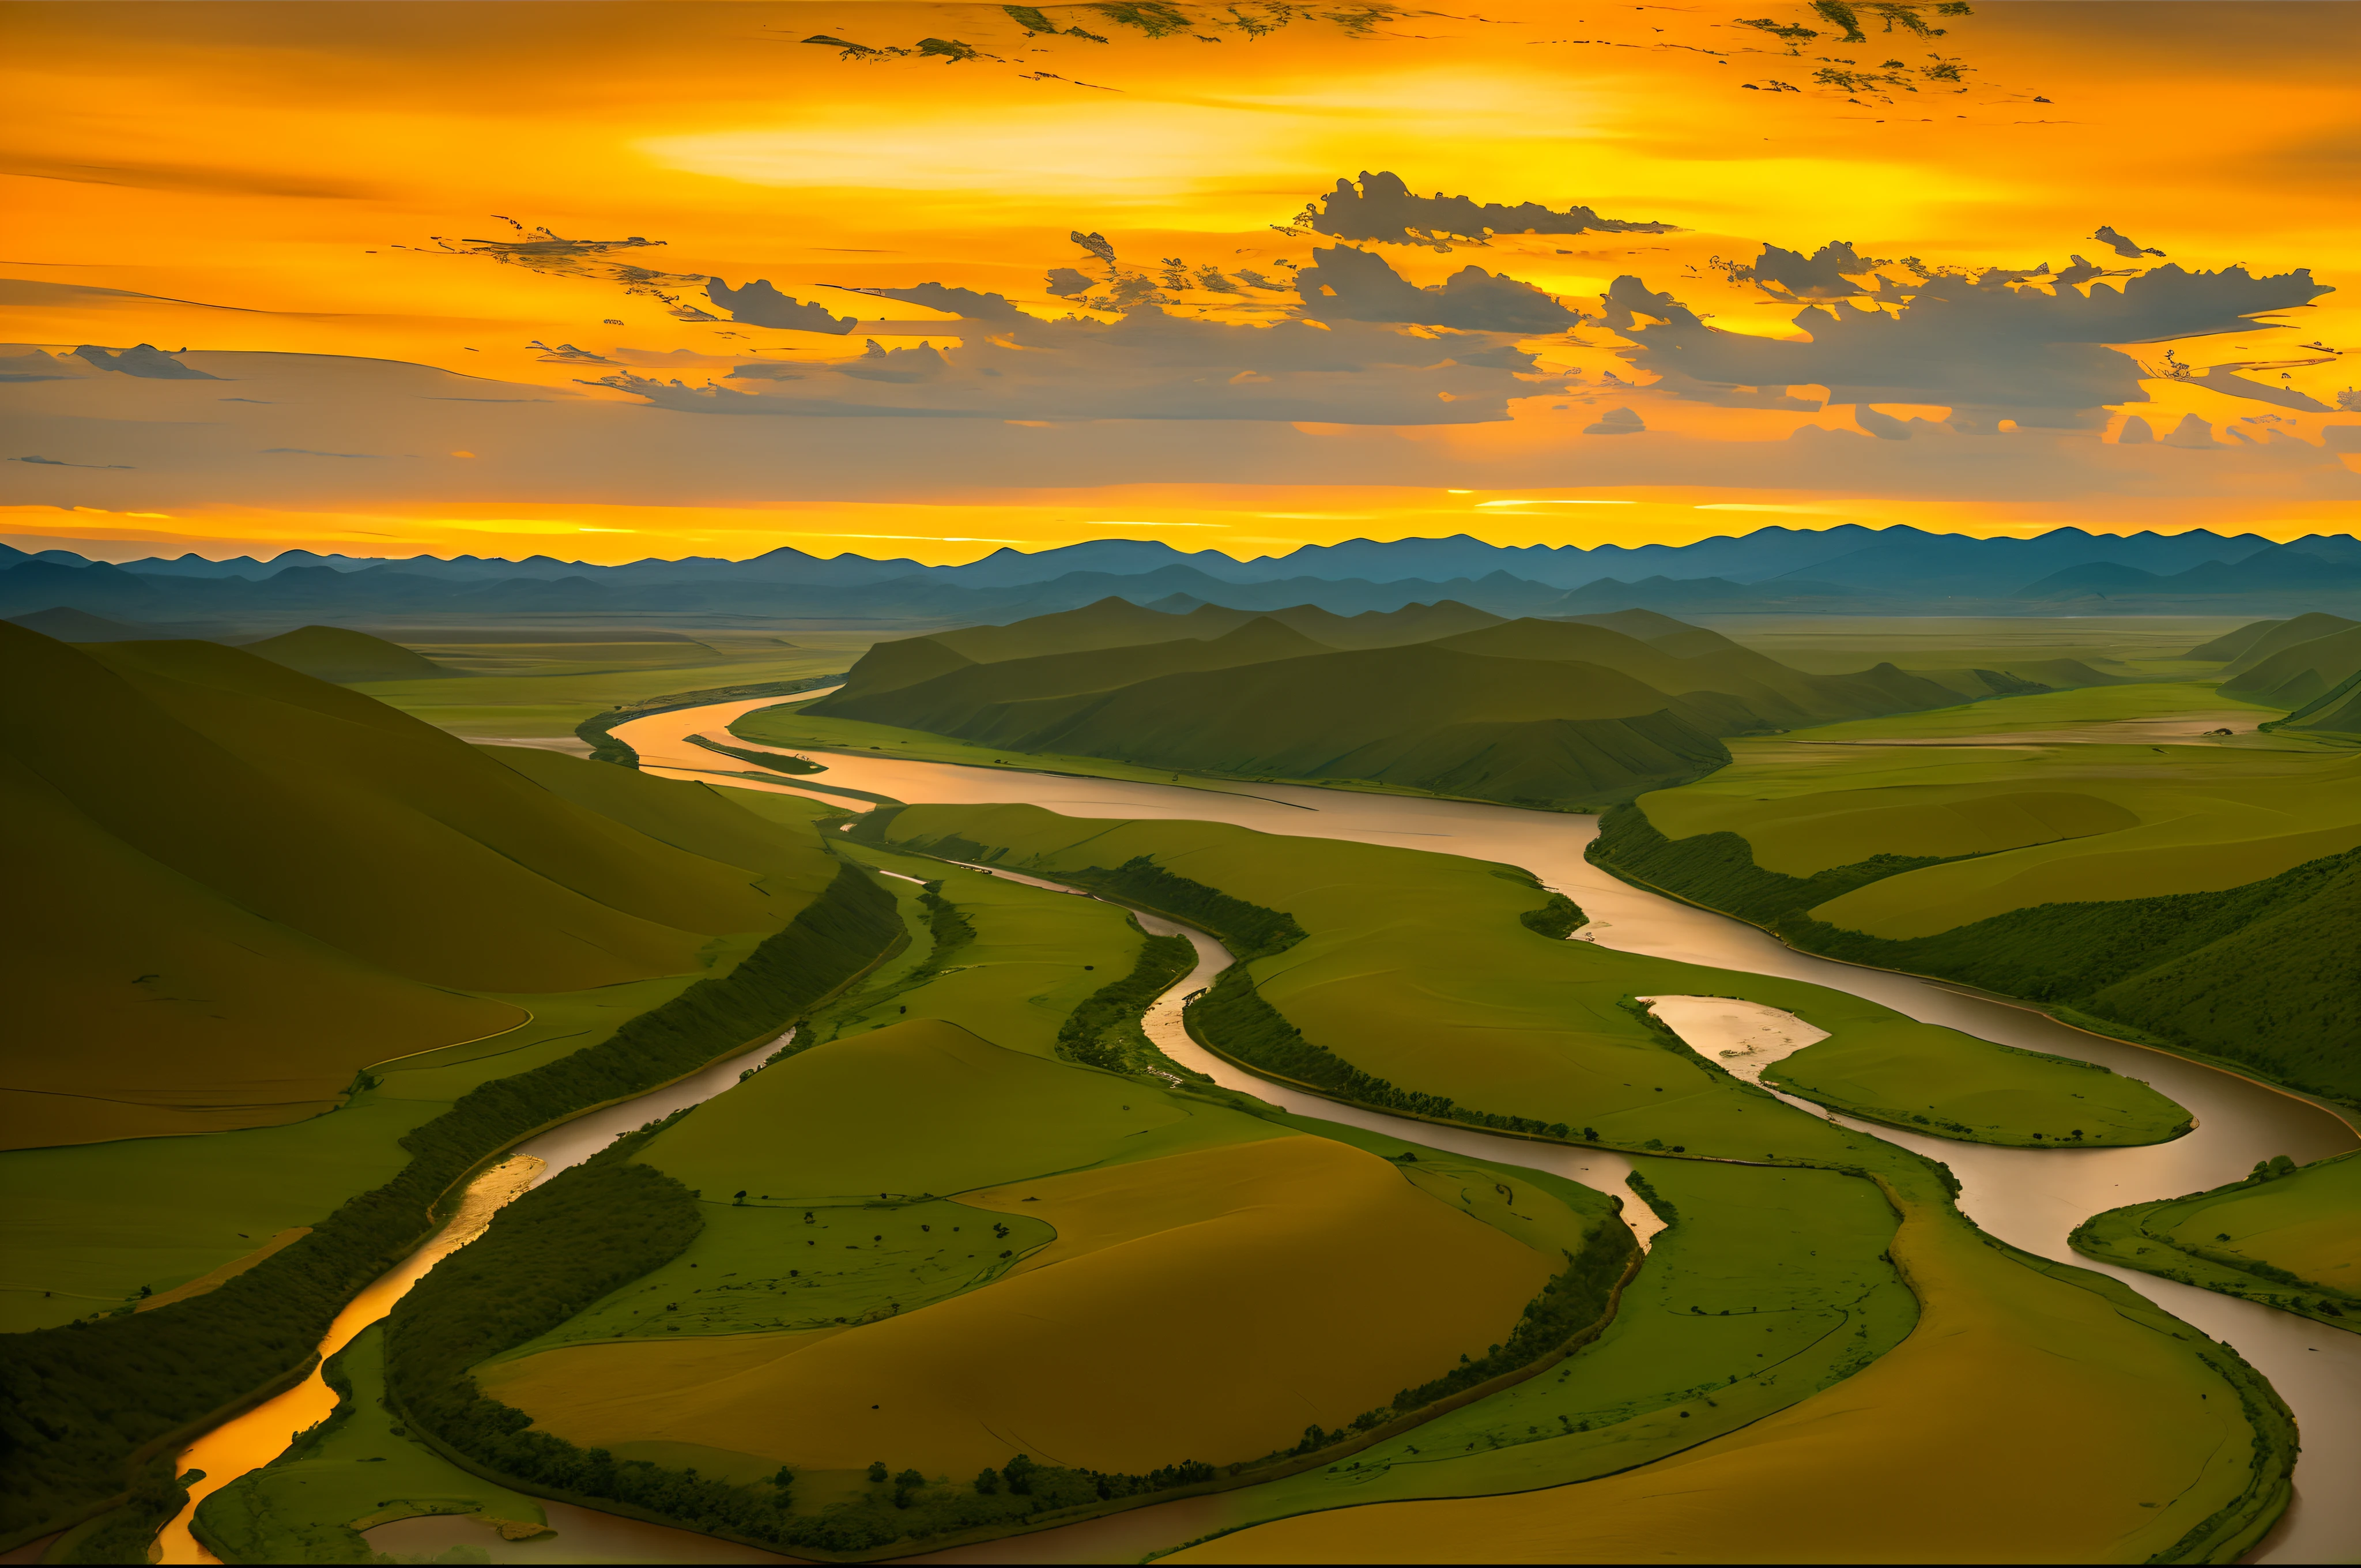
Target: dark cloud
1819,276
2123,246
1065,282
1383,209
146,361
1345,284
2038,357
566,354
760,304
965,304
1147,366
1616,421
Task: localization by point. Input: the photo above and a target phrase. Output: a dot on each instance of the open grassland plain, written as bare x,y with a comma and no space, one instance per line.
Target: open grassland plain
2197,893
1763,1289
344,958
519,690
2287,1235
1997,1331
2113,645
1406,981
1031,1239
2035,1413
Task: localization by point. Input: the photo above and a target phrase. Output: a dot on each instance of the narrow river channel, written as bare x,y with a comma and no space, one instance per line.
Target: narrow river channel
2031,1197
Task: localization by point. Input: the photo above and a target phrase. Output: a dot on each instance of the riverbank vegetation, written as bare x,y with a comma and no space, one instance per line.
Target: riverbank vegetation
2286,1235
287,775
1401,947
2192,895
980,1199
1557,715
1415,989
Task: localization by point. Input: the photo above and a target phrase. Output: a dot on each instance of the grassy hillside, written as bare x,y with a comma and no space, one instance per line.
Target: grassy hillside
340,653
2193,894
2297,675
1552,714
231,856
1555,734
2287,1235
2251,644
940,703
347,957
1774,695
105,1388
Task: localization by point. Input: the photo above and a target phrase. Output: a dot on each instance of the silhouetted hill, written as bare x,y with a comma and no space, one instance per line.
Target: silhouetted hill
2093,579
81,626
340,653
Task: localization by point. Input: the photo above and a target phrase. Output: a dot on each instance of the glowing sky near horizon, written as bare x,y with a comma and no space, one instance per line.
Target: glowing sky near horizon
268,179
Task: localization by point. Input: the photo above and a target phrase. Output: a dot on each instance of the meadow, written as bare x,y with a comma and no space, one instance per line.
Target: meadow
516,690
1399,949
2181,886
1417,971
2286,1235
1029,1237
361,956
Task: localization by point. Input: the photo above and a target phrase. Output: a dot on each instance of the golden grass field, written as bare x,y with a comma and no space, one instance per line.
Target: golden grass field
2028,1419
1207,1304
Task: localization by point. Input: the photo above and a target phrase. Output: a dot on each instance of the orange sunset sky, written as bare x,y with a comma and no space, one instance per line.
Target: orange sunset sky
322,204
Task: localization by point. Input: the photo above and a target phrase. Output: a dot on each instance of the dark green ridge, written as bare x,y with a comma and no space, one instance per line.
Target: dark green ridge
2260,976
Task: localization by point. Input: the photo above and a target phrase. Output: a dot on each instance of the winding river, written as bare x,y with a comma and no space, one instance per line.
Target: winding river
2031,1197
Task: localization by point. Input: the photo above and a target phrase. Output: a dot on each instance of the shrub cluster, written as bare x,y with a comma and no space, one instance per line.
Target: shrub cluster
1104,1031
80,1400
1573,1301
1557,919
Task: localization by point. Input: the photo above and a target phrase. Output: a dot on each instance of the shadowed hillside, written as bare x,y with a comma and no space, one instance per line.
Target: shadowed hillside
1561,714
2299,673
238,886
340,653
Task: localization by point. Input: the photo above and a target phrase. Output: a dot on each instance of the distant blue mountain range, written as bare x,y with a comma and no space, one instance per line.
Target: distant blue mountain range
1840,569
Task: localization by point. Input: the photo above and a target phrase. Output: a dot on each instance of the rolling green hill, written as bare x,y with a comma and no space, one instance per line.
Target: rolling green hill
1553,734
2195,895
2259,640
340,653
1776,695
240,885
1547,713
2300,672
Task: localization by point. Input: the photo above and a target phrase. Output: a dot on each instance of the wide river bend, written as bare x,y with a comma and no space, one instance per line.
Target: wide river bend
2029,1197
